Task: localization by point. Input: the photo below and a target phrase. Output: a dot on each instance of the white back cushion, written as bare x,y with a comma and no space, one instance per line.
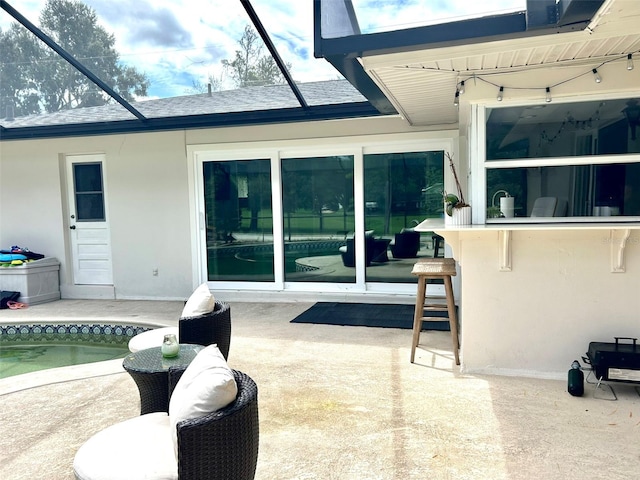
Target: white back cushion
544,207
206,385
200,302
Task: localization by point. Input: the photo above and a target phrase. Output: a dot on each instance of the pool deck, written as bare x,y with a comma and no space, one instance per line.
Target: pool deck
335,402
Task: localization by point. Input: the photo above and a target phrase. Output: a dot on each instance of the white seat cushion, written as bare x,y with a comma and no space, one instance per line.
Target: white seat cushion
139,448
205,386
151,338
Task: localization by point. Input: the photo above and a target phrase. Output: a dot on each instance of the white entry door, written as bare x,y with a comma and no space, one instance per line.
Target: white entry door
88,222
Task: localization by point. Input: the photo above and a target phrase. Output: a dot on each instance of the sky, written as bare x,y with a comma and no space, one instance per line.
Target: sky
177,43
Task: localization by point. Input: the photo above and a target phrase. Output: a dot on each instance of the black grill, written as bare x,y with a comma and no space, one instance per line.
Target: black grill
617,361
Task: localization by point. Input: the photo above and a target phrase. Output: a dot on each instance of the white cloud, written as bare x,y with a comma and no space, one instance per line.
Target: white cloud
173,43
177,42
384,15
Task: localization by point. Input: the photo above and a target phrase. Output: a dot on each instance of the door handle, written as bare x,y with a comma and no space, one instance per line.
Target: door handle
72,227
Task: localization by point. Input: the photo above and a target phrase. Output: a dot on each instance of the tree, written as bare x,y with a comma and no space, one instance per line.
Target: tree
213,83
18,91
48,83
250,67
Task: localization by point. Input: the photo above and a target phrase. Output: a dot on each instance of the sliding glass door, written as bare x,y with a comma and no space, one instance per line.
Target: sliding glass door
343,220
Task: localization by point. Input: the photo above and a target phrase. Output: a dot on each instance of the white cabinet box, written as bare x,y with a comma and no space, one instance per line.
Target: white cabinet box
37,281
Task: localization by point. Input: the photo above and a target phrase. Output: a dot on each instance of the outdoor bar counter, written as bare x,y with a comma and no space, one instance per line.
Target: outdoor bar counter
532,296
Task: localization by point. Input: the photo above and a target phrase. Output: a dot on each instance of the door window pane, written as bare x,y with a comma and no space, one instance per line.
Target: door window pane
89,195
239,220
401,190
317,200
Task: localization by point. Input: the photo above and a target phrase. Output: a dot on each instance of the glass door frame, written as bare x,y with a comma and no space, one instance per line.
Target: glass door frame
275,151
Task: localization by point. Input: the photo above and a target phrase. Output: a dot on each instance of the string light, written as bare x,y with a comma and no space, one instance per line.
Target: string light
460,86
596,75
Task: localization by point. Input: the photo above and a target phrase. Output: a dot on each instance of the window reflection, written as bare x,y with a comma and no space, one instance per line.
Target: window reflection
401,190
563,185
89,195
320,243
562,130
239,220
604,190
317,202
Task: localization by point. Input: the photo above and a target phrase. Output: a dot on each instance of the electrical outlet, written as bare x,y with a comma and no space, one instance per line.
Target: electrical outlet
155,272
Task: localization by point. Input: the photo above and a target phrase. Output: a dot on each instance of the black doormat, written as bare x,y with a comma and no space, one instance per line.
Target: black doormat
367,315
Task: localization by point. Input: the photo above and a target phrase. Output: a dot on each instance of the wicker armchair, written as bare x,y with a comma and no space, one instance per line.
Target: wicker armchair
224,444
375,251
219,445
405,244
214,327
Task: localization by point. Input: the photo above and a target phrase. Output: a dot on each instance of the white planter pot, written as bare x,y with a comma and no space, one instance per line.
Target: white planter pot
506,206
460,216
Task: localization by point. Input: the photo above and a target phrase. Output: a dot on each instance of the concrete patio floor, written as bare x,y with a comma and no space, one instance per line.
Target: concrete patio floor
335,403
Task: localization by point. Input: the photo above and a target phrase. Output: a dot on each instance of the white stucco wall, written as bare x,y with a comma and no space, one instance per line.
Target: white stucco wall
30,201
149,207
560,295
148,199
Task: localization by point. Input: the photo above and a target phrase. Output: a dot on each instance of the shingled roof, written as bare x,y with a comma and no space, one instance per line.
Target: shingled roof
250,99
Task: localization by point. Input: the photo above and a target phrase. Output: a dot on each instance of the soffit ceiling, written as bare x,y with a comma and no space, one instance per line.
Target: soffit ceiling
421,84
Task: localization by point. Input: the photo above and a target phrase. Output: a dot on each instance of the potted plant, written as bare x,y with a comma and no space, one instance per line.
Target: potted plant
494,212
457,210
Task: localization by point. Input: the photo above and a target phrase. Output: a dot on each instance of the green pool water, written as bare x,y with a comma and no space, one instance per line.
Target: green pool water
26,348
18,357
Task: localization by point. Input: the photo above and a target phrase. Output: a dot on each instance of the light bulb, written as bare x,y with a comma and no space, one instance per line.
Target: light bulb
500,92
630,61
548,96
461,89
596,76
456,100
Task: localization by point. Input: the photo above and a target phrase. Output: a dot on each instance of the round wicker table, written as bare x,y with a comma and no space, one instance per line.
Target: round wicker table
150,370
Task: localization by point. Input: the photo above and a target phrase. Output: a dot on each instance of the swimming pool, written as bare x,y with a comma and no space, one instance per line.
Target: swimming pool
29,348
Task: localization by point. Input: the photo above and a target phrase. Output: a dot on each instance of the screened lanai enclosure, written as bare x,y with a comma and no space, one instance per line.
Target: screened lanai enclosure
314,216
79,67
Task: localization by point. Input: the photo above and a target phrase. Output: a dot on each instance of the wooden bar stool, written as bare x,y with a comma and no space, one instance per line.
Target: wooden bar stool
435,268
